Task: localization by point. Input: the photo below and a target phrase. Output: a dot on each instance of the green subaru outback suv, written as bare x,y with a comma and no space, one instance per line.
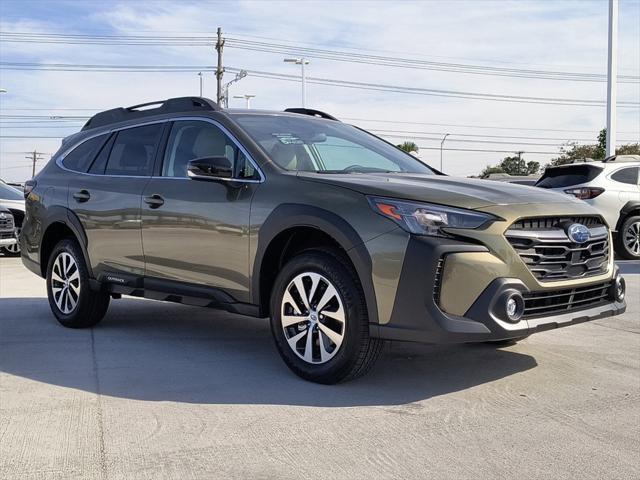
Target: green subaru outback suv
337,236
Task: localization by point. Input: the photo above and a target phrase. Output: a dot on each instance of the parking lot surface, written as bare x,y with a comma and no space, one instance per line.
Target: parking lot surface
163,391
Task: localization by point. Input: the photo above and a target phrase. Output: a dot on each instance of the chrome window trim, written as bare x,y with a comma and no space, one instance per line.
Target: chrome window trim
262,178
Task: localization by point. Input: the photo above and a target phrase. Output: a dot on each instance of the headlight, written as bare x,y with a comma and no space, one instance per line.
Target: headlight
426,218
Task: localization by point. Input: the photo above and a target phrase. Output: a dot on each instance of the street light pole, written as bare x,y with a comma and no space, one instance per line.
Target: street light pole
302,62
441,144
247,98
612,78
200,75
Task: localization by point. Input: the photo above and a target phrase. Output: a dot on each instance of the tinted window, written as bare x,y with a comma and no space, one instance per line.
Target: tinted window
558,177
626,175
9,193
197,139
133,151
310,144
81,157
100,163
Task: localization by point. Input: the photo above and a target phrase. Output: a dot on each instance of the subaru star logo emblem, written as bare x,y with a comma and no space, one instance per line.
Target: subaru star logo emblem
578,233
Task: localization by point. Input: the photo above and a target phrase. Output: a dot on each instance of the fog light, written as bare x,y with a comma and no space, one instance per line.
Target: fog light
618,289
513,306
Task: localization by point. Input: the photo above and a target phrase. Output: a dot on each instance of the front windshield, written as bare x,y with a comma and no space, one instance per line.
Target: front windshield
9,193
308,144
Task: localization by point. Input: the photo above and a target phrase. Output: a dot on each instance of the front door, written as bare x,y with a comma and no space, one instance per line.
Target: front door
193,230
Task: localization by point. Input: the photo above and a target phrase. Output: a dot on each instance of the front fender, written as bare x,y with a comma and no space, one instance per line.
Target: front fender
287,216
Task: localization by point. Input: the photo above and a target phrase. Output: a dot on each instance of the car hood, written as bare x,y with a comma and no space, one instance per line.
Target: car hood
459,192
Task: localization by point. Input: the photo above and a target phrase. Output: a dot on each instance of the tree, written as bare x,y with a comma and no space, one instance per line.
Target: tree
512,166
573,151
409,147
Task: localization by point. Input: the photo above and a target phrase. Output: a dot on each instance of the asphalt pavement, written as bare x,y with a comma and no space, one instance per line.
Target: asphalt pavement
164,391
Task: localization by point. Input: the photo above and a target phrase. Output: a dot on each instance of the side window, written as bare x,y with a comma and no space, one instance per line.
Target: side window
626,175
191,139
81,157
133,151
100,163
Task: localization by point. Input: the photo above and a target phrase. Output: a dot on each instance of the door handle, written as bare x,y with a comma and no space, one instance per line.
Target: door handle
82,196
154,201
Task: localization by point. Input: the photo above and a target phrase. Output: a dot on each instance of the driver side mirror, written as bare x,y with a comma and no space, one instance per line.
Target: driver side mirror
210,167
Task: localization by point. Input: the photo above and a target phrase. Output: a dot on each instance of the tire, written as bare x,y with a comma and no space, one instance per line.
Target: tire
71,299
339,350
628,239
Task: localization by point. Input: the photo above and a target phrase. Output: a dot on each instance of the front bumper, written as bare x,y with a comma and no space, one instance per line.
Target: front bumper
5,242
417,316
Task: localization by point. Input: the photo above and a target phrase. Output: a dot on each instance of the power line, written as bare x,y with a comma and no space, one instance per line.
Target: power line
289,48
435,92
378,60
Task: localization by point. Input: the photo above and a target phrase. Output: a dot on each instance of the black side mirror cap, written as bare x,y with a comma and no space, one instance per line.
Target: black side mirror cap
211,168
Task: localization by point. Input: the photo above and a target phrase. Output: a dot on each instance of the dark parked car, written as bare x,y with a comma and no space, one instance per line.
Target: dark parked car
339,237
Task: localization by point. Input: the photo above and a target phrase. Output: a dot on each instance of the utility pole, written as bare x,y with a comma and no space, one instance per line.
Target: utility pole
441,144
612,78
219,68
519,162
200,75
34,157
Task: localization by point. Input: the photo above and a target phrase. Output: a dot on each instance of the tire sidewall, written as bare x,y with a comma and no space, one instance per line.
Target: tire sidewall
622,247
356,316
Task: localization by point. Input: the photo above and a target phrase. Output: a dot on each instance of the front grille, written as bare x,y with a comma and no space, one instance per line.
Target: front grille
437,281
550,255
6,222
5,235
561,301
546,223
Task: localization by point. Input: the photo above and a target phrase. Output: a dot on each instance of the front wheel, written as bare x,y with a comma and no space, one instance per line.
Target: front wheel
628,239
71,300
319,319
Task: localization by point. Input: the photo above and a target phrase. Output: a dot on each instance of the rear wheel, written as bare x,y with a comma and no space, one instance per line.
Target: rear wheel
628,239
319,319
71,300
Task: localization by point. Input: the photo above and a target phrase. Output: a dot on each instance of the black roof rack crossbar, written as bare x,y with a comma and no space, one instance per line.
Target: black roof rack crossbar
312,112
171,105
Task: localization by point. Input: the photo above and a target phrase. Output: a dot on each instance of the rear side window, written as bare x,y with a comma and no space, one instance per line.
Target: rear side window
626,175
558,177
81,157
100,163
134,150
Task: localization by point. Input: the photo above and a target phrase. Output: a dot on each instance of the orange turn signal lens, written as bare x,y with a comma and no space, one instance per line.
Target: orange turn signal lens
388,210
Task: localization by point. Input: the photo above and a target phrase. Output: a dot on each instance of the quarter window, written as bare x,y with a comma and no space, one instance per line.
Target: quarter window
626,175
81,157
134,150
191,139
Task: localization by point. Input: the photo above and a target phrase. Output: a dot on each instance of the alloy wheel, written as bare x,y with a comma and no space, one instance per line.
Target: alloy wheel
632,238
313,318
15,248
65,283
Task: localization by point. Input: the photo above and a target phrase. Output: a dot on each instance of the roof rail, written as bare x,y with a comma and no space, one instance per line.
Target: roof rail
311,112
622,158
171,105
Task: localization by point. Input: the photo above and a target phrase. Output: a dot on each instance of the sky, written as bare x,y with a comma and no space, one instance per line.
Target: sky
556,36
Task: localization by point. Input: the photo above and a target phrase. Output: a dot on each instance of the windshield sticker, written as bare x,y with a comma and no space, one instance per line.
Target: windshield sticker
288,139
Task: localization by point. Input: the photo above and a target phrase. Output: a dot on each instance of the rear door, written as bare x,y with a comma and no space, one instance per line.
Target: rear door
107,199
197,231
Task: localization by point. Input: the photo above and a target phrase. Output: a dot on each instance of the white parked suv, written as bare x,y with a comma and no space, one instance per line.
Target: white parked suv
611,186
